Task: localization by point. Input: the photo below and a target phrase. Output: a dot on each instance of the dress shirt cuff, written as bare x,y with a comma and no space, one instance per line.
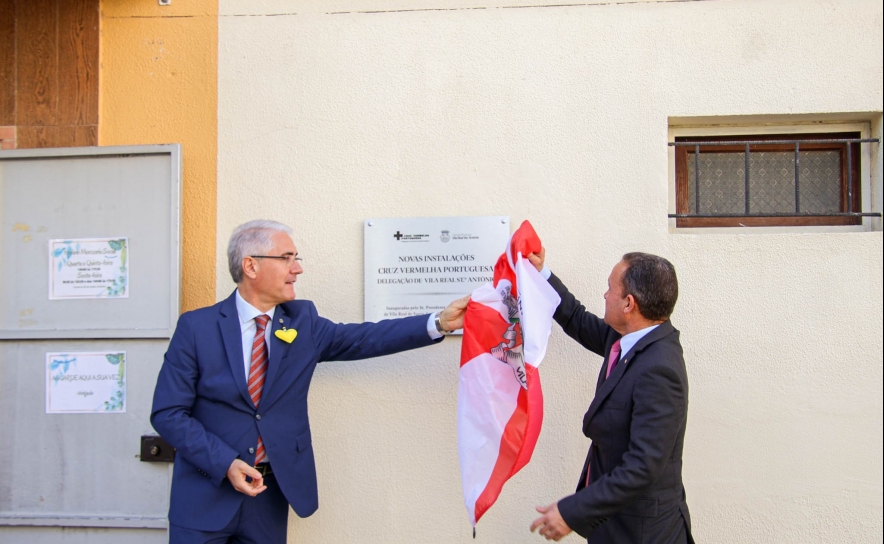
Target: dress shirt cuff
431,327
545,272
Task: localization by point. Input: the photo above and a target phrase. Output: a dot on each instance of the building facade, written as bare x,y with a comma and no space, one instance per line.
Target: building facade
324,114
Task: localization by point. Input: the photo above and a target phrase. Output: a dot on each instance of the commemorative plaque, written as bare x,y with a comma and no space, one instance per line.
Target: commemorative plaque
417,266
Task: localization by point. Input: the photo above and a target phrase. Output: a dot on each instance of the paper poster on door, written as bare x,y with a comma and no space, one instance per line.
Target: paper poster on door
86,382
88,268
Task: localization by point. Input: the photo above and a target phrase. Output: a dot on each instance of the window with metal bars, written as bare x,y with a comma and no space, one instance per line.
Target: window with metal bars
769,180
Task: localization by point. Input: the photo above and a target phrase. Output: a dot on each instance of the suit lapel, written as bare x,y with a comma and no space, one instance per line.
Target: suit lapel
231,333
278,351
601,379
608,385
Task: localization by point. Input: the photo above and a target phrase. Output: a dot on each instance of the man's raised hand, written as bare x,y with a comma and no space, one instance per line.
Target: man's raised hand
538,258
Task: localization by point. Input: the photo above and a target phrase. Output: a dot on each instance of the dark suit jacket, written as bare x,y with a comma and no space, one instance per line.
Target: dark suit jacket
637,423
202,407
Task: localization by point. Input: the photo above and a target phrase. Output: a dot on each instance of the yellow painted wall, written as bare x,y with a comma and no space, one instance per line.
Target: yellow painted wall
158,84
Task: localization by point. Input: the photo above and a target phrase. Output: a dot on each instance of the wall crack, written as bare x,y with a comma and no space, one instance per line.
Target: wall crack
473,8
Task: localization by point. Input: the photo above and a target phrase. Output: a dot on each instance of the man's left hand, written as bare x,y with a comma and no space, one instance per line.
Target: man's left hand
451,317
238,473
537,259
551,524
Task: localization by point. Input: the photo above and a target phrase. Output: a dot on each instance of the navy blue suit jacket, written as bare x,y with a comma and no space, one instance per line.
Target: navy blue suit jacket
201,404
637,424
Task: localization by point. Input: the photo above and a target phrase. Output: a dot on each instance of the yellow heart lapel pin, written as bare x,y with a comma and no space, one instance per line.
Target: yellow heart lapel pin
286,335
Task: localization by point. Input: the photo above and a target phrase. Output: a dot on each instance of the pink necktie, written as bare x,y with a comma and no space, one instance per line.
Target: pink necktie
257,372
613,357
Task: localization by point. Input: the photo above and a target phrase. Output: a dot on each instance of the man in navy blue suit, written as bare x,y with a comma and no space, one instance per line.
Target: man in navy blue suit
231,396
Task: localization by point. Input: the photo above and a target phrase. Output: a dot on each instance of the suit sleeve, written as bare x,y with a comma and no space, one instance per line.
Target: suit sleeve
659,408
173,401
578,323
352,341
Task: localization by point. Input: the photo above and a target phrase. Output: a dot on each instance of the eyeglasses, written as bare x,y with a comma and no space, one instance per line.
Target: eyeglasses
289,258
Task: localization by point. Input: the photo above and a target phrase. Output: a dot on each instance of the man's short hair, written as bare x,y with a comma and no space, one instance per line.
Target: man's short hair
252,238
652,283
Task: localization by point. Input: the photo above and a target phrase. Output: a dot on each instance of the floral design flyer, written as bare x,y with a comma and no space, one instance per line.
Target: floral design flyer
86,382
88,268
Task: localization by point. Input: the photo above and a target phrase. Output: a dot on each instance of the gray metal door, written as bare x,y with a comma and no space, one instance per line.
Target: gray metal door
66,473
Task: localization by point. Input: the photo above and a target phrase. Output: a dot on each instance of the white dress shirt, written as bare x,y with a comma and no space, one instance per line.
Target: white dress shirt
247,314
629,341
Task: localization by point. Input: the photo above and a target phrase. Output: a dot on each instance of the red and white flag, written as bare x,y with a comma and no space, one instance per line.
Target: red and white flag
499,400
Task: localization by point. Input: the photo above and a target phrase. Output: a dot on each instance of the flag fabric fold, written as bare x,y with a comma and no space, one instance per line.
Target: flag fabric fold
500,400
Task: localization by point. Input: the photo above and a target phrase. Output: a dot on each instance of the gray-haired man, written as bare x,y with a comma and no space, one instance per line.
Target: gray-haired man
232,393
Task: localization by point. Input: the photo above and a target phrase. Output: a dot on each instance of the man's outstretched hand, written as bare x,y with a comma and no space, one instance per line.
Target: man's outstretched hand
451,317
237,473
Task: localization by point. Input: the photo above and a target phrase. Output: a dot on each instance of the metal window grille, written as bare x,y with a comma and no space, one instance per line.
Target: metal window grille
747,204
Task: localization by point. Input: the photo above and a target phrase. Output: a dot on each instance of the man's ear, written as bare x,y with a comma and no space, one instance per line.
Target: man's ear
250,267
631,305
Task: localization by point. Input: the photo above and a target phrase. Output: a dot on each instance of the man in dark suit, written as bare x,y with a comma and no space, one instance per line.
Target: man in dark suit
232,393
631,489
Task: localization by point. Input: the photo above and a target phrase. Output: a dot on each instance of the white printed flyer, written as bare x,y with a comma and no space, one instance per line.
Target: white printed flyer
86,382
88,268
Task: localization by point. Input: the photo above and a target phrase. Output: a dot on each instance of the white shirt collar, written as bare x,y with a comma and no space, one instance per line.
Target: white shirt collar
630,340
247,312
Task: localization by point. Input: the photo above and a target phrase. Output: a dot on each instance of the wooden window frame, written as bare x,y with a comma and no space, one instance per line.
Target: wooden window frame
685,153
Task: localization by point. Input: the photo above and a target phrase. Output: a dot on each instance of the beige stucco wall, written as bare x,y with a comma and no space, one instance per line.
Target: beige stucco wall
330,113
